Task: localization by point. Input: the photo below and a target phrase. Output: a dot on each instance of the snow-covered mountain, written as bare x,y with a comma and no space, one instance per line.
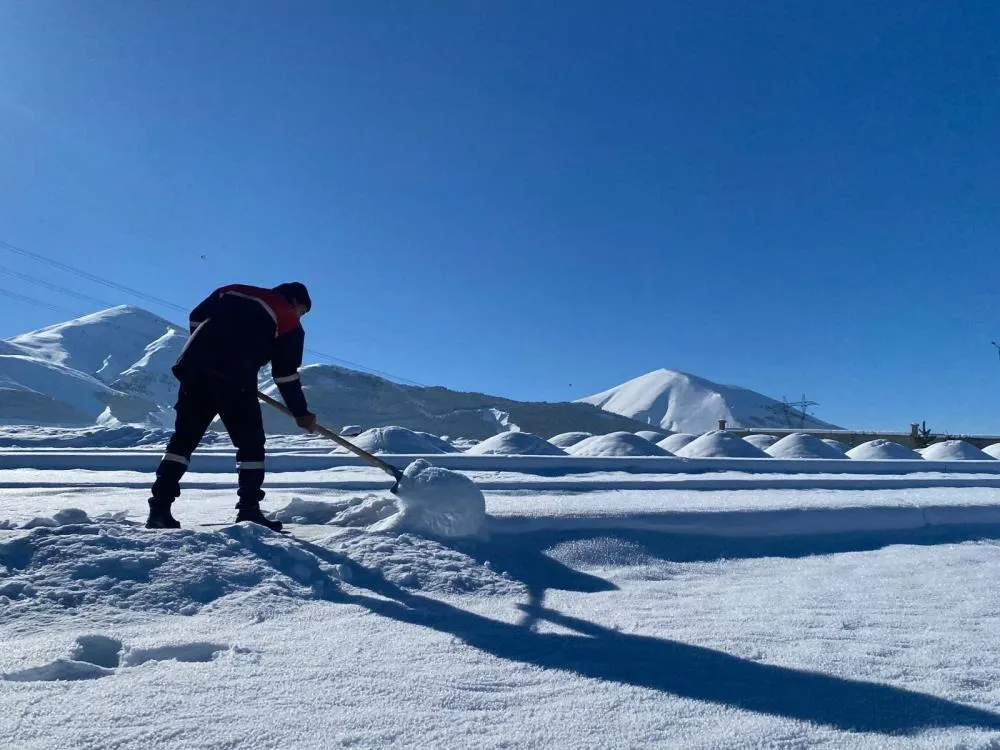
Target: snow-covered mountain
681,402
114,365
342,396
84,371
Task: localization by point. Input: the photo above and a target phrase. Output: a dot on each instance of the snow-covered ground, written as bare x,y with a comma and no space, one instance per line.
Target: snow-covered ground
605,609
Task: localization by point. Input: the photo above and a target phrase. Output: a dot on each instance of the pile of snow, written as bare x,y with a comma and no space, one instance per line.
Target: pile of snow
802,445
653,437
119,436
955,450
516,444
681,402
566,439
437,502
351,430
883,450
354,511
761,441
993,450
616,444
720,444
395,440
675,442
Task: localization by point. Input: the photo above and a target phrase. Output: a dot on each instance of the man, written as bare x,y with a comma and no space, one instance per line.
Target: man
235,331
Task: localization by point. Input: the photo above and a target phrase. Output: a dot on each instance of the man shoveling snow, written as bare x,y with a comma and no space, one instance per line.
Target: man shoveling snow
235,331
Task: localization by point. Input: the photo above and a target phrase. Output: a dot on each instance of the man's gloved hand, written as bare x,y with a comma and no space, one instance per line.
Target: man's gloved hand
307,422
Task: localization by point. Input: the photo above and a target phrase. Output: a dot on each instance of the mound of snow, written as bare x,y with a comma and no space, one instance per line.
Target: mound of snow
993,450
678,401
351,430
437,502
394,440
566,439
515,444
653,437
761,441
802,445
955,450
616,444
675,442
354,511
720,444
883,450
842,447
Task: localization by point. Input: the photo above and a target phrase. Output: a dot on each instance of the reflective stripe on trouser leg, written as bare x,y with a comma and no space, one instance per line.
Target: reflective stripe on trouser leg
168,476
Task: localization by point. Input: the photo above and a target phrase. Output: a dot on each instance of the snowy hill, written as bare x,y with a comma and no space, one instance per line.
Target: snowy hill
98,367
341,396
681,402
119,360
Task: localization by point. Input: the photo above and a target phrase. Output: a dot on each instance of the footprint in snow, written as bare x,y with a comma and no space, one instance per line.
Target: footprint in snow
96,656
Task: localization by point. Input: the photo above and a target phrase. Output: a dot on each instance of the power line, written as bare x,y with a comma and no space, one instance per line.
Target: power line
34,301
54,287
89,276
142,295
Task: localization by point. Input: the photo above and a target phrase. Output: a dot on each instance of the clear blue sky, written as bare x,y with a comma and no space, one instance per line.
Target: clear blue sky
535,199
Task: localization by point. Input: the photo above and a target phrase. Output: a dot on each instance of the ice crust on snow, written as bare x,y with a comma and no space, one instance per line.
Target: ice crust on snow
437,502
675,442
955,450
883,450
515,444
566,439
802,445
353,511
720,444
616,444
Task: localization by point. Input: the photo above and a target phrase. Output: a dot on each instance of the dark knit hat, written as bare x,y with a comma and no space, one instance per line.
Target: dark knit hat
296,293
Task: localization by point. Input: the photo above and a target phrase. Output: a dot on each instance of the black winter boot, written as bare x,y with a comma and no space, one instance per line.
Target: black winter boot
159,515
253,514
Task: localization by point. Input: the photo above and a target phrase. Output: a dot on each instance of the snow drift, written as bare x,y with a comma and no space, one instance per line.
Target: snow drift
515,444
616,444
883,450
954,450
720,444
801,445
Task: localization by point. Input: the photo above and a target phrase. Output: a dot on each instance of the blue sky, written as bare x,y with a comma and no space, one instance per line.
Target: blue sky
535,199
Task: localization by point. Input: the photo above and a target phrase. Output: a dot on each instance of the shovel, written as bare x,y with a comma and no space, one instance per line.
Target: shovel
373,460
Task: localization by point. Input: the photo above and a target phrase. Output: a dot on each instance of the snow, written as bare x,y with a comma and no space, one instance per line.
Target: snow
673,443
516,444
802,445
437,502
992,450
616,444
653,437
566,439
681,402
394,440
837,444
882,450
720,444
608,618
438,442
761,441
954,450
